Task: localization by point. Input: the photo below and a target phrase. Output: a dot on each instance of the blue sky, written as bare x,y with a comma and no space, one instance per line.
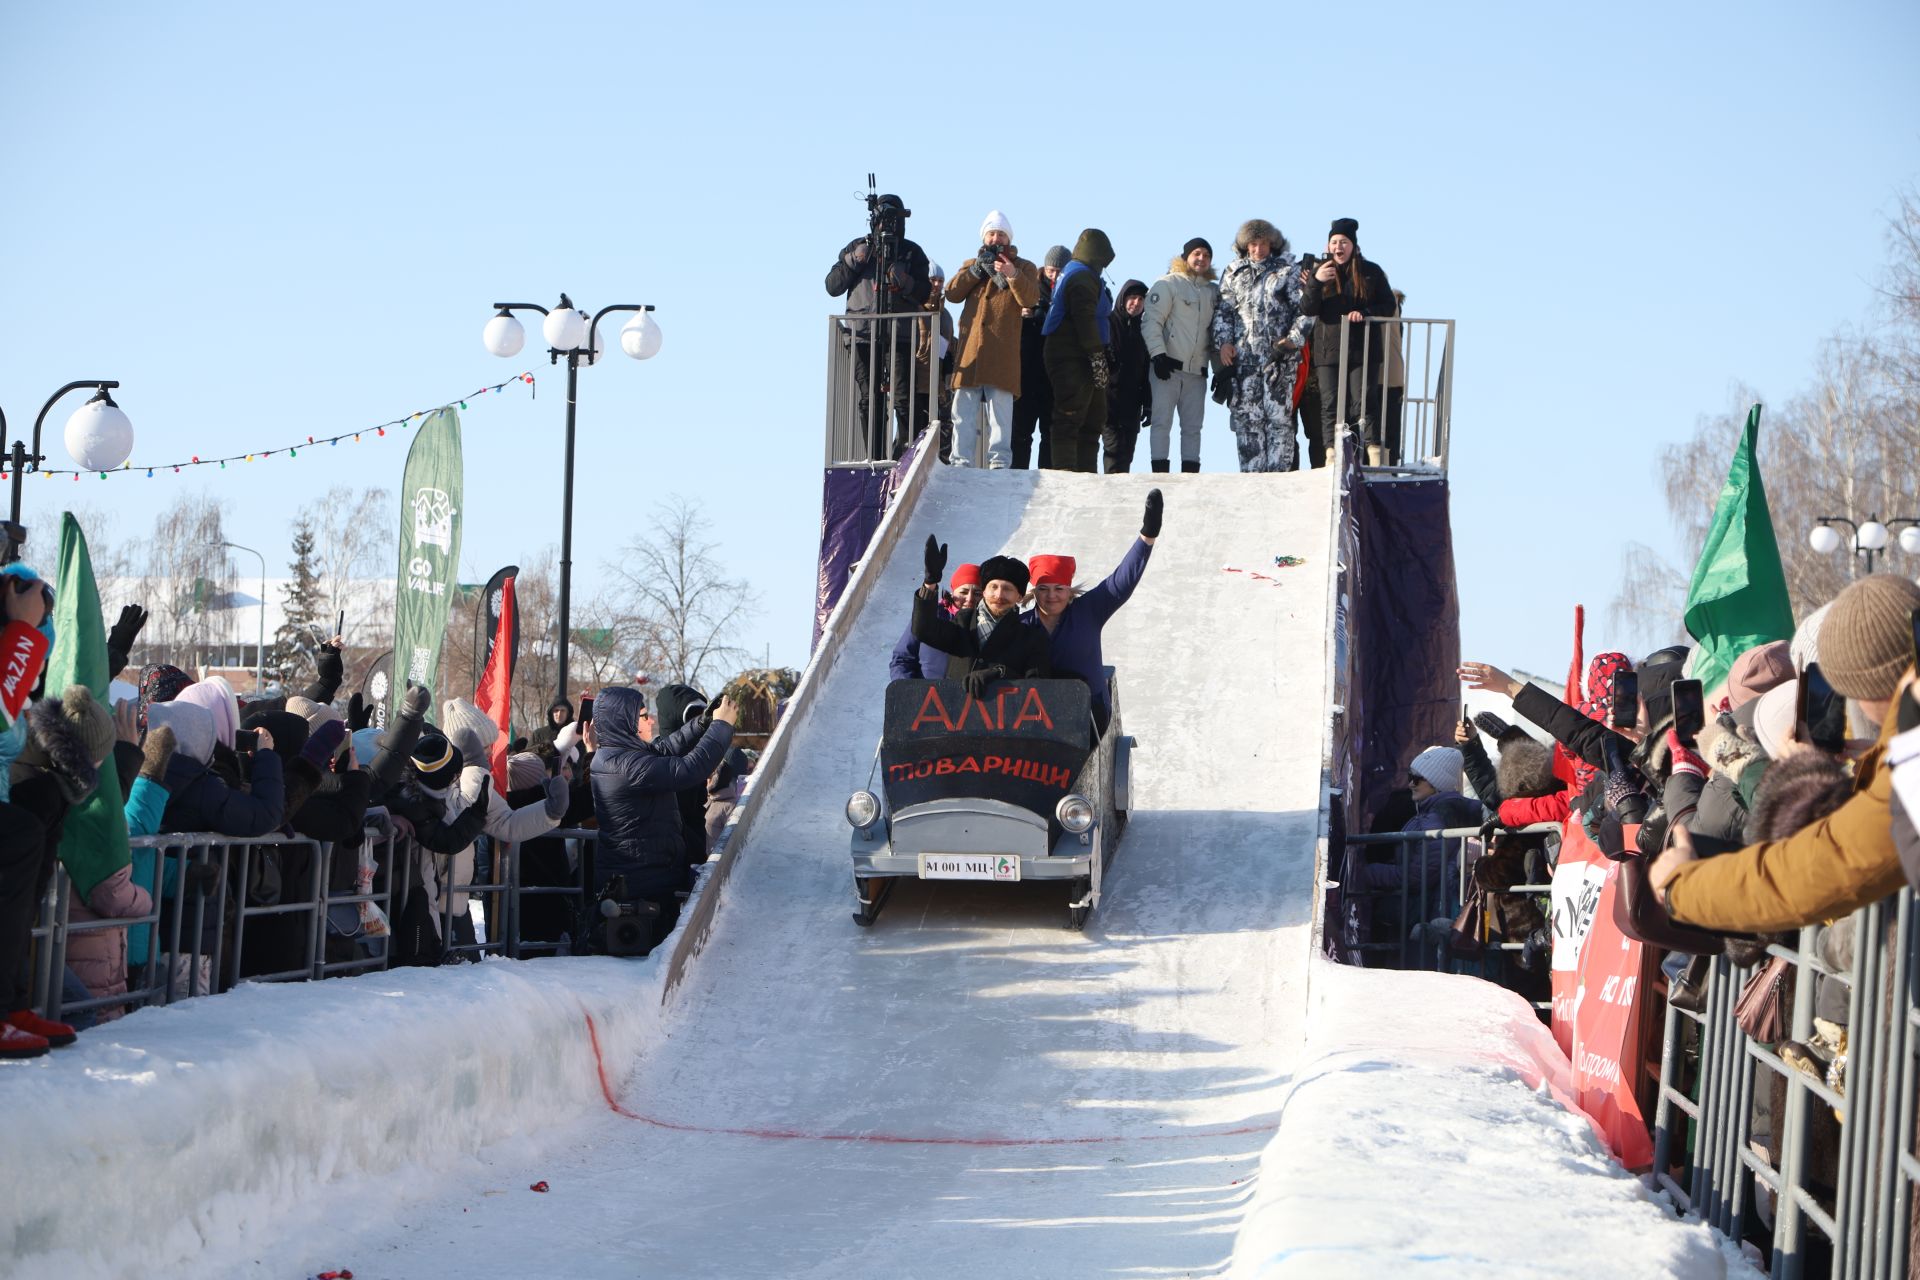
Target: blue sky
270,222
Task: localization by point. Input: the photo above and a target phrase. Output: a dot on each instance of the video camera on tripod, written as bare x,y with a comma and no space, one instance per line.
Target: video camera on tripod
626,924
886,228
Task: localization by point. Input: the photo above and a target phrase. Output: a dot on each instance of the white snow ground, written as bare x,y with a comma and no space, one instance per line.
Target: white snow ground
966,1088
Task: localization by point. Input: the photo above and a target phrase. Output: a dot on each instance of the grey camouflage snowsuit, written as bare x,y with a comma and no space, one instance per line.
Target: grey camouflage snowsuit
1260,307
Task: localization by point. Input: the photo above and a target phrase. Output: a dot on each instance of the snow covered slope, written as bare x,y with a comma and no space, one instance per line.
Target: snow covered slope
969,1087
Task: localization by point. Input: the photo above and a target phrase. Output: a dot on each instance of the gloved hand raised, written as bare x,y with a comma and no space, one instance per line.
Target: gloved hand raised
120,639
557,797
936,561
359,714
1164,366
1150,522
980,678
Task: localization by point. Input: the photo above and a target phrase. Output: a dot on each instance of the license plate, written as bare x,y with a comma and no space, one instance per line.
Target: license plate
969,866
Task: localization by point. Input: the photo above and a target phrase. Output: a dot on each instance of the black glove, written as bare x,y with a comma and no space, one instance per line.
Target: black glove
1222,386
329,666
936,560
1164,367
120,639
481,801
1098,361
982,267
1150,522
899,278
856,257
980,677
359,713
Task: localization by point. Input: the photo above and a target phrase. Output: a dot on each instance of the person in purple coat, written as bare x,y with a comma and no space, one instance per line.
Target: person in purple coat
912,660
1073,622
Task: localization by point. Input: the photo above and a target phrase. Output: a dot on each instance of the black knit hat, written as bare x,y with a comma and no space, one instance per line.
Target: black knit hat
436,761
1348,227
675,704
1004,569
1198,242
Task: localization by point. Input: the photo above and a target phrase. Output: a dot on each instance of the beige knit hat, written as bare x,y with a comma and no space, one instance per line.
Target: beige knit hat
1866,642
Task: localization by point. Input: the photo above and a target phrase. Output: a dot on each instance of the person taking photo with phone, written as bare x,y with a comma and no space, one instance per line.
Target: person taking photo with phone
1343,292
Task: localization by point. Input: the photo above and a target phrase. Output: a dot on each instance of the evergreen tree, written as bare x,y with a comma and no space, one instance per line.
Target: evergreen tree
292,657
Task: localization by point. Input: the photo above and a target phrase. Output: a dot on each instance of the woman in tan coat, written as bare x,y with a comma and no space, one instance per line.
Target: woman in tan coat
993,287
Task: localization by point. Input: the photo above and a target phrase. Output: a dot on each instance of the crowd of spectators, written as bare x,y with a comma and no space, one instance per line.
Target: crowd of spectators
1052,366
414,806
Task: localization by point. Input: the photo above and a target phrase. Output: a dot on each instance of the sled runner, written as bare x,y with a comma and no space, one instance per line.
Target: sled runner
1015,786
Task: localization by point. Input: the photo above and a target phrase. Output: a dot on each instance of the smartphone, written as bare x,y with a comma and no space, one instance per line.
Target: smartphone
246,739
1913,621
1821,715
340,623
586,711
1624,712
1689,709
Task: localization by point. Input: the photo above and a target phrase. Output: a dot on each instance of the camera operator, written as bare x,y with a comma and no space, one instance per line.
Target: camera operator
635,784
995,288
883,273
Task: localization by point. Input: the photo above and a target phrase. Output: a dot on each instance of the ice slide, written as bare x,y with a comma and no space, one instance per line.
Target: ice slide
970,1088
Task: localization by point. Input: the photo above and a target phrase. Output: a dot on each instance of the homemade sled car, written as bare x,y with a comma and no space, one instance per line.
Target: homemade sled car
1015,786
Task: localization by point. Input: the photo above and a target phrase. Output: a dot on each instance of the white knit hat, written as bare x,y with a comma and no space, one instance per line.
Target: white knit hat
468,728
1442,767
1773,713
995,221
1806,638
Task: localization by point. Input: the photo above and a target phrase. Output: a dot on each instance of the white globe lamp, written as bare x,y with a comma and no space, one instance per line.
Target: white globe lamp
504,336
99,435
1910,540
1873,536
1824,538
640,337
565,329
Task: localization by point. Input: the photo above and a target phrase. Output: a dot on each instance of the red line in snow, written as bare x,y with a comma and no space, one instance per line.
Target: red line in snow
885,1139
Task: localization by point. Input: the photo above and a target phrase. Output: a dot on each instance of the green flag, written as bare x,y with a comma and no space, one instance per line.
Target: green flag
429,552
94,843
1738,597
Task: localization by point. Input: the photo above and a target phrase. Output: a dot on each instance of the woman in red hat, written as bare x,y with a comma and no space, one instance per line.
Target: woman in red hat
915,661
1073,621
987,642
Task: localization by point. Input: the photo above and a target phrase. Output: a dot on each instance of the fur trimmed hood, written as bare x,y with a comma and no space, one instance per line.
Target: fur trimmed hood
1796,792
1179,267
1525,768
57,744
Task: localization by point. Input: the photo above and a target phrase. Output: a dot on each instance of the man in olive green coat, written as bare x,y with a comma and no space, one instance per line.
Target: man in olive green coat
1077,335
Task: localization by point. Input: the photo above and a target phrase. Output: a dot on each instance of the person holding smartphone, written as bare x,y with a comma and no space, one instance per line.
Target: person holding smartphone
1344,291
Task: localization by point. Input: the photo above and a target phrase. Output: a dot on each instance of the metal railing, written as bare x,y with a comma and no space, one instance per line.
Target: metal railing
196,936
1407,384
1419,909
880,396
1755,1146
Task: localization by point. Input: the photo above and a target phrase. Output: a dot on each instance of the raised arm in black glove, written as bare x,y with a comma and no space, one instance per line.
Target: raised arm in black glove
120,639
331,671
396,744
1165,366
936,561
1150,522
980,678
359,713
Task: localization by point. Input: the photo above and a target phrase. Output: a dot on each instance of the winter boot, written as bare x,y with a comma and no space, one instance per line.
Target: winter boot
15,1043
57,1034
1159,464
1190,468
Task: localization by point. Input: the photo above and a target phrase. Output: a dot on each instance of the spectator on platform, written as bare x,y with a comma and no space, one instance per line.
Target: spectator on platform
1077,330
1843,861
1259,329
1343,292
933,354
914,661
1178,329
987,642
882,350
1129,393
1073,621
996,288
1033,407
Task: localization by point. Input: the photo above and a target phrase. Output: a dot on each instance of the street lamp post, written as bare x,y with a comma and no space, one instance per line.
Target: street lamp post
98,435
1869,539
260,646
569,333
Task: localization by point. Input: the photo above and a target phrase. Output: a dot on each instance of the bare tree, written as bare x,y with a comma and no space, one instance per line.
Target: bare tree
353,532
672,581
1847,447
189,578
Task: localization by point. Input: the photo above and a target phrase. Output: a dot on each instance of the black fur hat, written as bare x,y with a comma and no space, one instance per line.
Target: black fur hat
1004,569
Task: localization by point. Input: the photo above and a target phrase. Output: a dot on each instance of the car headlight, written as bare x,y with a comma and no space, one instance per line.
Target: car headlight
862,808
1075,813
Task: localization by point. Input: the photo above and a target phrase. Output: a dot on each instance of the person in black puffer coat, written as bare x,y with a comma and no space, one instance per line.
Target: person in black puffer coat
636,786
1129,398
677,706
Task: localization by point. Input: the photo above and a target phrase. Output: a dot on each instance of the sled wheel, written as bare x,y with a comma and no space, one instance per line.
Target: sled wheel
1077,916
869,910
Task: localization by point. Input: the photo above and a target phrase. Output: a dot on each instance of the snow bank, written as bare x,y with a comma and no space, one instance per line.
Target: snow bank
1422,1128
192,1128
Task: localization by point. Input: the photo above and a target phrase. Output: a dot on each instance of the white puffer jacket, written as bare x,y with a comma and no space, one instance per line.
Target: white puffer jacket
1179,317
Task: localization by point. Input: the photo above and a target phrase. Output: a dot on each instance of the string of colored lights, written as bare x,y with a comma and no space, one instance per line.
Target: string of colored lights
291,450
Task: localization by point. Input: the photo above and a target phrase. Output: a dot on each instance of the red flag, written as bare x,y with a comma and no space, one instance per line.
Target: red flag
495,694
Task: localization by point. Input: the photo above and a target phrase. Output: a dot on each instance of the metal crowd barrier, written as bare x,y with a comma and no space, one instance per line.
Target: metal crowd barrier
1415,414
882,348
1425,904
1718,1086
194,942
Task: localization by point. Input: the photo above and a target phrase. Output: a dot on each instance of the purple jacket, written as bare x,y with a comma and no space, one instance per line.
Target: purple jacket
1076,641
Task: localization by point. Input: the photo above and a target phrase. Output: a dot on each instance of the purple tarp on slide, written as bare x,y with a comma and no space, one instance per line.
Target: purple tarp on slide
852,501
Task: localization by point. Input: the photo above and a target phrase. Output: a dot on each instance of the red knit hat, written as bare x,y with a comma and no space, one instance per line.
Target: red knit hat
1052,571
967,575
